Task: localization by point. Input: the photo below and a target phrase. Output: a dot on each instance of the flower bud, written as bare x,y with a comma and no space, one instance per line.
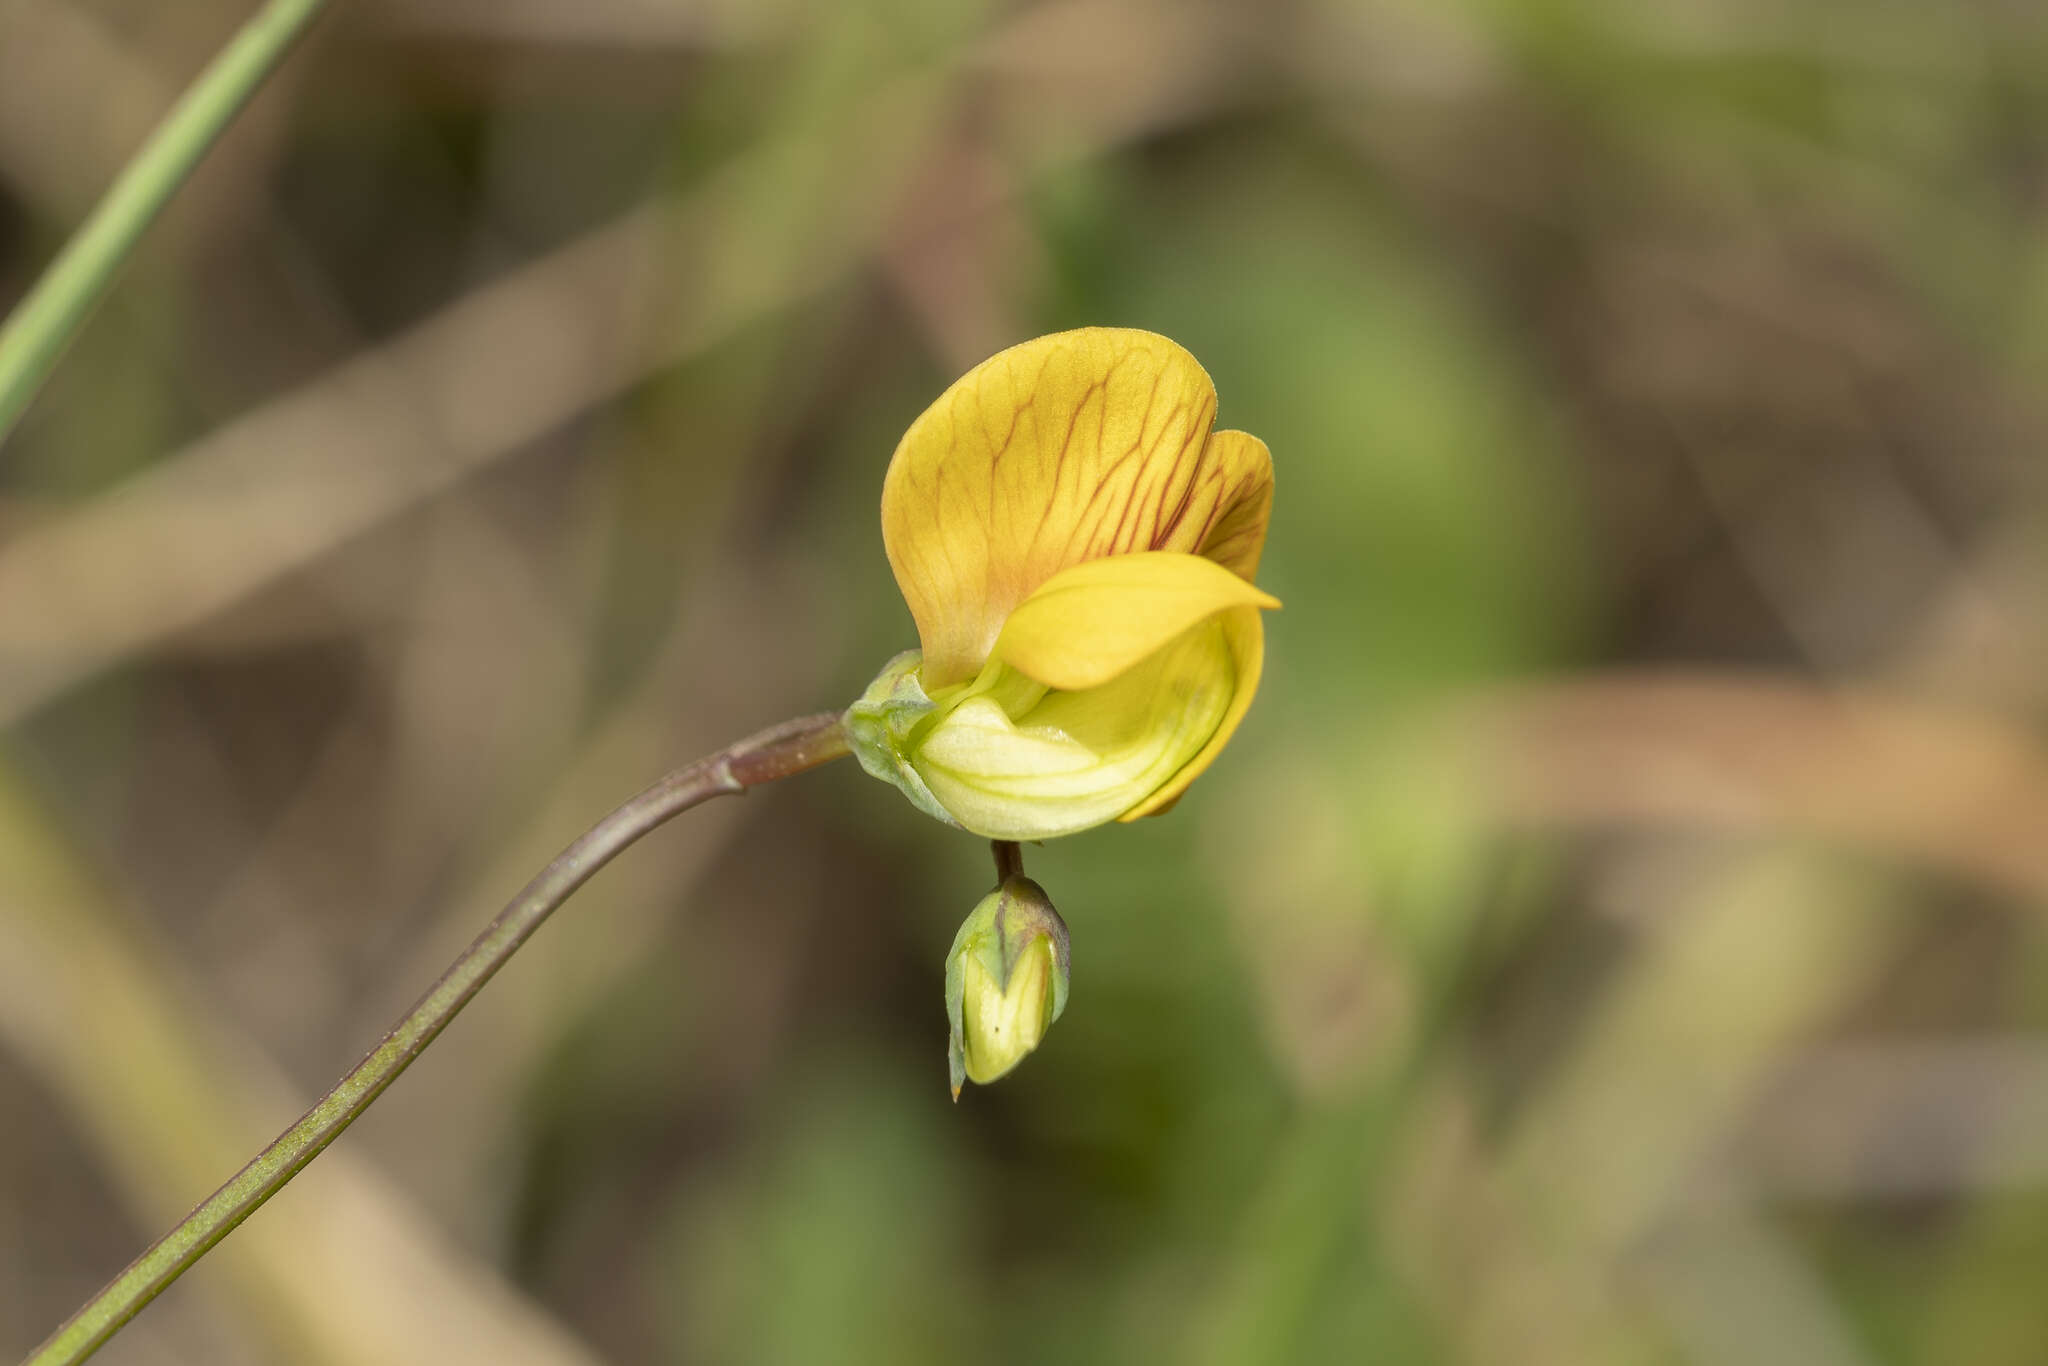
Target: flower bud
1006,981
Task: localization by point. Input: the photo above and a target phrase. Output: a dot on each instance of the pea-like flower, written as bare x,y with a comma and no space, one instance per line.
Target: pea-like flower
1078,550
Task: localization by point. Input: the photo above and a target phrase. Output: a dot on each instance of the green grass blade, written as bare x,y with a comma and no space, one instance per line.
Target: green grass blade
37,331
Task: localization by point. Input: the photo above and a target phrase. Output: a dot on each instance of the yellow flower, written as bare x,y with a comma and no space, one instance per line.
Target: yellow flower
1078,549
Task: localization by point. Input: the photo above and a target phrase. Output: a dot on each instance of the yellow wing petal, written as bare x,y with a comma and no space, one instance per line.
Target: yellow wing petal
1246,635
1050,454
1090,623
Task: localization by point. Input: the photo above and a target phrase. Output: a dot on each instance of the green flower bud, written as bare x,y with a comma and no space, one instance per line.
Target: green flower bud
1006,981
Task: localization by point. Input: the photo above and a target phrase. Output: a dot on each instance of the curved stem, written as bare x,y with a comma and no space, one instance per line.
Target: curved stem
37,331
775,753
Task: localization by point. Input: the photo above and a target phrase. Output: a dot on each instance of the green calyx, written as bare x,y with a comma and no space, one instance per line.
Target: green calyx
881,727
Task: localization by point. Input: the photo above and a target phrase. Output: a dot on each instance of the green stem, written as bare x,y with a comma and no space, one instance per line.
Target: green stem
775,753
45,321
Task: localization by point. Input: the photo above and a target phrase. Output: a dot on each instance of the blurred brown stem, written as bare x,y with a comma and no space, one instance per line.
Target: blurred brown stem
1009,859
778,752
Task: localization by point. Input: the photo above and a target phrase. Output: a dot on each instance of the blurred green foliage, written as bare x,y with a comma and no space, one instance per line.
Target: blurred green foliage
1647,385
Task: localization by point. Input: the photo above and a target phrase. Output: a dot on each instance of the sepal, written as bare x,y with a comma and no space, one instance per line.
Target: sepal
880,729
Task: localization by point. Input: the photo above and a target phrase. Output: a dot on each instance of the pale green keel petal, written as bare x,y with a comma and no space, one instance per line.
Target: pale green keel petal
1075,760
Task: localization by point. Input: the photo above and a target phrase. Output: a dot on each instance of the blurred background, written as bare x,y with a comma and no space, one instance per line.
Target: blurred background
1618,934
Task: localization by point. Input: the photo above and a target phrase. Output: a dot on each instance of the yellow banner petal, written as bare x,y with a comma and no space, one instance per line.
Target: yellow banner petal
1050,454
1090,623
1235,532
